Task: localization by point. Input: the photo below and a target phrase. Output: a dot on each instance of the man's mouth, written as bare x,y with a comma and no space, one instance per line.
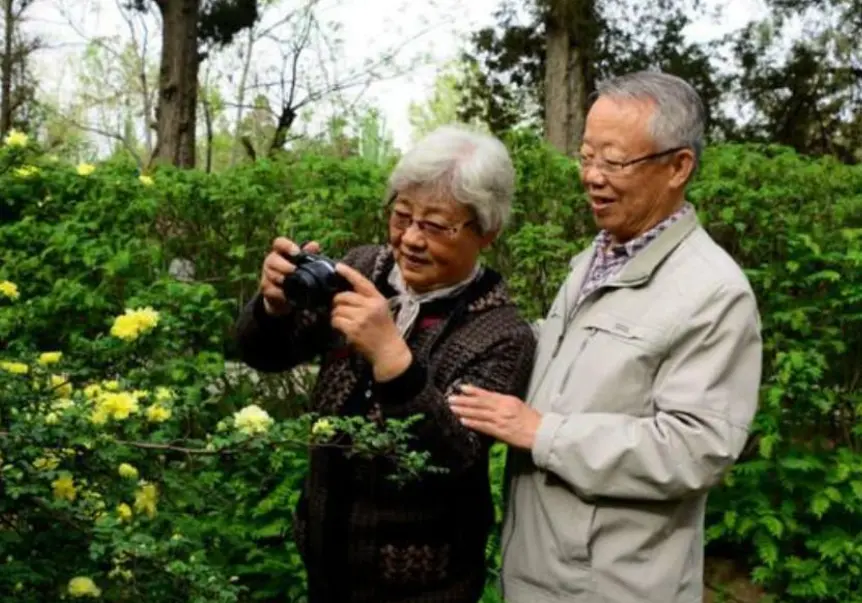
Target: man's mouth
601,202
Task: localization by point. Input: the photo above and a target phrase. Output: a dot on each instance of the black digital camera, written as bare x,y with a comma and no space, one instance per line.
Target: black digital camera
314,282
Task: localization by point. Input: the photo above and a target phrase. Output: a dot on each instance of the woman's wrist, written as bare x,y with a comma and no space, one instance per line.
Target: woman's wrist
393,361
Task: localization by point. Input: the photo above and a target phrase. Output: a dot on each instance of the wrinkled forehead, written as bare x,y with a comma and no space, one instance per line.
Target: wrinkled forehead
619,123
426,200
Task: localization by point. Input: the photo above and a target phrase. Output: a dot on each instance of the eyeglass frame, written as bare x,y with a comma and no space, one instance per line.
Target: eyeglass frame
618,166
448,232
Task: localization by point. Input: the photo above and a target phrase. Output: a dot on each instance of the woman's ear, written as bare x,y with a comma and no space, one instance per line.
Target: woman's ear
485,239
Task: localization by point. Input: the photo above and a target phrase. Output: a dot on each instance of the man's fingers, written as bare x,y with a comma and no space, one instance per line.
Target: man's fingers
474,413
473,390
472,400
480,426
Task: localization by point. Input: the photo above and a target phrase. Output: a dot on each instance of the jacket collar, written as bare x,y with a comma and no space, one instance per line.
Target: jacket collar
641,267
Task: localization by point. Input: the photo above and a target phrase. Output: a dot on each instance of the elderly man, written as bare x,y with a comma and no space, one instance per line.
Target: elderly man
646,376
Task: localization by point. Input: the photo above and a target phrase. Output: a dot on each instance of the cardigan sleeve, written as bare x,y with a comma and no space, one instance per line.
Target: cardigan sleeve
504,366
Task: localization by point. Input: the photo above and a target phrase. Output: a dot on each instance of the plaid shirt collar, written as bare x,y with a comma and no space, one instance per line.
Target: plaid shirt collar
604,245
609,258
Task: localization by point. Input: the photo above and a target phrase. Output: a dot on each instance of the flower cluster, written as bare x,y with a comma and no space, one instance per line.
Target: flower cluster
16,139
252,420
134,323
82,586
110,402
9,289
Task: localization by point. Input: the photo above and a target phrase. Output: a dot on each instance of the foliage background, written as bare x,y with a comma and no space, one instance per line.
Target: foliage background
84,244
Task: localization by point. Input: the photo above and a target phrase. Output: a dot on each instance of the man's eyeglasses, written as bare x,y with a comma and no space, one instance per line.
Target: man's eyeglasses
402,220
607,166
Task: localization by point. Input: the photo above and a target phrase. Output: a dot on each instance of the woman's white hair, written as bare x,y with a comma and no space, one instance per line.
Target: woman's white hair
471,167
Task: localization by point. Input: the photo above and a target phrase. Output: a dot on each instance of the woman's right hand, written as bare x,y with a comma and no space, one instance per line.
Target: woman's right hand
276,266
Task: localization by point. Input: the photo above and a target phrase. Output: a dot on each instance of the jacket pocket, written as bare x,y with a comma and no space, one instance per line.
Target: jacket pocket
612,368
570,521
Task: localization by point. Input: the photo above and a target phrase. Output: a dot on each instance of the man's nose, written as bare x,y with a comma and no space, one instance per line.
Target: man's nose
592,176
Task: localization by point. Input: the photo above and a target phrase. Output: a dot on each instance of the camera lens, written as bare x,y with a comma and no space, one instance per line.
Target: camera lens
302,289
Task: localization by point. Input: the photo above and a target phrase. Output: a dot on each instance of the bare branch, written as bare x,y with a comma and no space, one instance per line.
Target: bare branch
112,135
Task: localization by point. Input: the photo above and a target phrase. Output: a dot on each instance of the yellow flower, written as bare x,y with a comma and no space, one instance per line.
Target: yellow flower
50,357
16,139
119,572
49,462
323,428
61,404
124,511
112,386
81,586
92,391
163,394
146,498
9,289
128,471
61,386
252,419
26,171
117,405
145,180
158,413
85,169
99,416
64,487
17,368
134,323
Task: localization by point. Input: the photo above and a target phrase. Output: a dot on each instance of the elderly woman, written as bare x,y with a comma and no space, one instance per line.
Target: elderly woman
421,316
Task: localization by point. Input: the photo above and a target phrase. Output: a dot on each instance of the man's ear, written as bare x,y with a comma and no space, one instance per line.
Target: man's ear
682,166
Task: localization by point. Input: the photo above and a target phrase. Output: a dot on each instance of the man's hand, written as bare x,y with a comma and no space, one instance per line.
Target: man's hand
363,316
503,417
276,266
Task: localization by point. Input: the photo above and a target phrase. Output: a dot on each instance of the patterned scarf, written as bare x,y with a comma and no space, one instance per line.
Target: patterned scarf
406,305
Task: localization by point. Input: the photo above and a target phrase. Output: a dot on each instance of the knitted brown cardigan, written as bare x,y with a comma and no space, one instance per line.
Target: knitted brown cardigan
364,539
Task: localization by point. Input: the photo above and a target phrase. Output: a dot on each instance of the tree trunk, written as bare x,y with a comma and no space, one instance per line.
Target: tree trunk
240,103
176,114
7,66
568,26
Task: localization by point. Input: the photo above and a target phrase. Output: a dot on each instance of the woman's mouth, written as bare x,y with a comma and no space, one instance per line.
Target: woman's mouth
414,261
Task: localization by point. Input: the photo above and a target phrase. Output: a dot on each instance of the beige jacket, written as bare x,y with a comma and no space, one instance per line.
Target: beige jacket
647,393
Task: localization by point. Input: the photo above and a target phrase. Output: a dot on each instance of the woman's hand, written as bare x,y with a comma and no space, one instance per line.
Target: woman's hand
275,268
363,316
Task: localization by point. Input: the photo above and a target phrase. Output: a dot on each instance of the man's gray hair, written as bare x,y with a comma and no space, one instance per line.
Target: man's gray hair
679,119
471,167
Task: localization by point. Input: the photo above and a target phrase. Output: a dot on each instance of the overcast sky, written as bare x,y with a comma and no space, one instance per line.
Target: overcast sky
367,28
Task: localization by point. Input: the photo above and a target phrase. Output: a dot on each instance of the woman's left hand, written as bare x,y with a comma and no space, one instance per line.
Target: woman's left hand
363,316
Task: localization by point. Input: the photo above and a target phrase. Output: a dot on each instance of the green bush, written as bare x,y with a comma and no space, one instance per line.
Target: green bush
84,243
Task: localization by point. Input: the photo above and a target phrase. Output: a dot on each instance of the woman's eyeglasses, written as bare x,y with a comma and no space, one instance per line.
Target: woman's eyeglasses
402,220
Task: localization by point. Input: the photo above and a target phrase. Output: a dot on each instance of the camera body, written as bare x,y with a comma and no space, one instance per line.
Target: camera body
314,282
